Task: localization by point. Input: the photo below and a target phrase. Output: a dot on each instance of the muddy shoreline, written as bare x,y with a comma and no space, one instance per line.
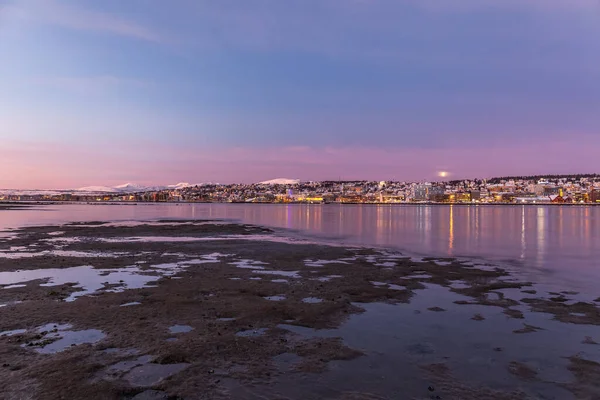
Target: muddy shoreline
206,309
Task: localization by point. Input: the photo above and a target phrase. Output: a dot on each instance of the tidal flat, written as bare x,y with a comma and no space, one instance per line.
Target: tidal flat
190,309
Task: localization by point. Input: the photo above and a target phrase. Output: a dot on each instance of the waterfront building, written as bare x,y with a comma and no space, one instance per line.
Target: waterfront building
421,192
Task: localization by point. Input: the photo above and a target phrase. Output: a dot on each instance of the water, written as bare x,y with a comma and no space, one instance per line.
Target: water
180,329
252,332
476,351
275,298
87,279
545,238
552,246
312,300
133,303
60,337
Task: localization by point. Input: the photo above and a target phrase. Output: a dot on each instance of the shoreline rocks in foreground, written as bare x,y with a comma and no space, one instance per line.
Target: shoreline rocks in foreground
206,309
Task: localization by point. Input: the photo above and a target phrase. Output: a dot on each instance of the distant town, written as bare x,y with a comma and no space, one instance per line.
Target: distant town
568,189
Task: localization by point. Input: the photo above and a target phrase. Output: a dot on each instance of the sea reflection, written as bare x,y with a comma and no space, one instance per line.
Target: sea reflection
541,236
548,239
451,232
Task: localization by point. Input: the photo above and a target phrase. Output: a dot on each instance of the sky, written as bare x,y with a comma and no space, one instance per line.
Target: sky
159,92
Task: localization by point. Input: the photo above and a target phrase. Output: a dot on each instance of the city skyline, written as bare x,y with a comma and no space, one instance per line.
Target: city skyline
245,91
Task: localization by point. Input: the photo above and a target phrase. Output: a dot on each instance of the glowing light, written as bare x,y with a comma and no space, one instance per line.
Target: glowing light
443,174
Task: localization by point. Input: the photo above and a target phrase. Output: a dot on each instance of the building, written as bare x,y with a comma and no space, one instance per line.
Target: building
463,197
595,196
421,192
436,193
551,190
475,195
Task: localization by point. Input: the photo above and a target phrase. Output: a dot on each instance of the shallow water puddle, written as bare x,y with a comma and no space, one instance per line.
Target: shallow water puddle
321,263
459,284
133,303
58,338
418,276
386,264
14,286
252,332
61,253
125,366
90,280
13,332
312,300
86,278
274,298
180,329
53,327
387,285
248,264
290,274
328,278
17,248
206,259
10,303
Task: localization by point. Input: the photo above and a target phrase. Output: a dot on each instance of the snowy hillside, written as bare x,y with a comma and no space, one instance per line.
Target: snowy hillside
281,181
97,189
124,188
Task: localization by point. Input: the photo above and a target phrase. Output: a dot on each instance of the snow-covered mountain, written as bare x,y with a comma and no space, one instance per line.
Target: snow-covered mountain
124,188
97,189
281,181
181,185
134,188
131,187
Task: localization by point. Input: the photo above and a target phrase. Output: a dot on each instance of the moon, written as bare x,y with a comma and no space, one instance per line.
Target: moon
443,174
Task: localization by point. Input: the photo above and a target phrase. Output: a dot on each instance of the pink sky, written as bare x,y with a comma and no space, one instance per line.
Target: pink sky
100,93
54,166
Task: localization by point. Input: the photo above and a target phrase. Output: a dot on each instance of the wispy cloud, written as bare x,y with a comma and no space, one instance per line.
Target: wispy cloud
78,18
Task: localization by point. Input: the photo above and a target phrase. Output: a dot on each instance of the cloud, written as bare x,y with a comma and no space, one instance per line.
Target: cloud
72,17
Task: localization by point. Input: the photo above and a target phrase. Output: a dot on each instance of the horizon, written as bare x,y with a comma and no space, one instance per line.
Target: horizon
237,91
187,184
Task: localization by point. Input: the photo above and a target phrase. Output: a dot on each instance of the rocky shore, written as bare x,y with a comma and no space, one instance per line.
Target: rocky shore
213,310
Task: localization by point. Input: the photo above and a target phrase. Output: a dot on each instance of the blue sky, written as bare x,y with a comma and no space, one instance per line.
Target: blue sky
102,92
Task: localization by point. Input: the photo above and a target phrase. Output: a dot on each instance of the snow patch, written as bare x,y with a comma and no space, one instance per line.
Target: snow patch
281,181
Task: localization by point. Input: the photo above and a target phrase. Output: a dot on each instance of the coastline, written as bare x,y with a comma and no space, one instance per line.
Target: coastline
421,204
252,297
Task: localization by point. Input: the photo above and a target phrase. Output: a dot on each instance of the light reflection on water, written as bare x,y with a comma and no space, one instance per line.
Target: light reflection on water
548,240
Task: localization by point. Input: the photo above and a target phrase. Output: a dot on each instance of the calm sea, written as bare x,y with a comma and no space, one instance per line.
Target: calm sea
557,245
